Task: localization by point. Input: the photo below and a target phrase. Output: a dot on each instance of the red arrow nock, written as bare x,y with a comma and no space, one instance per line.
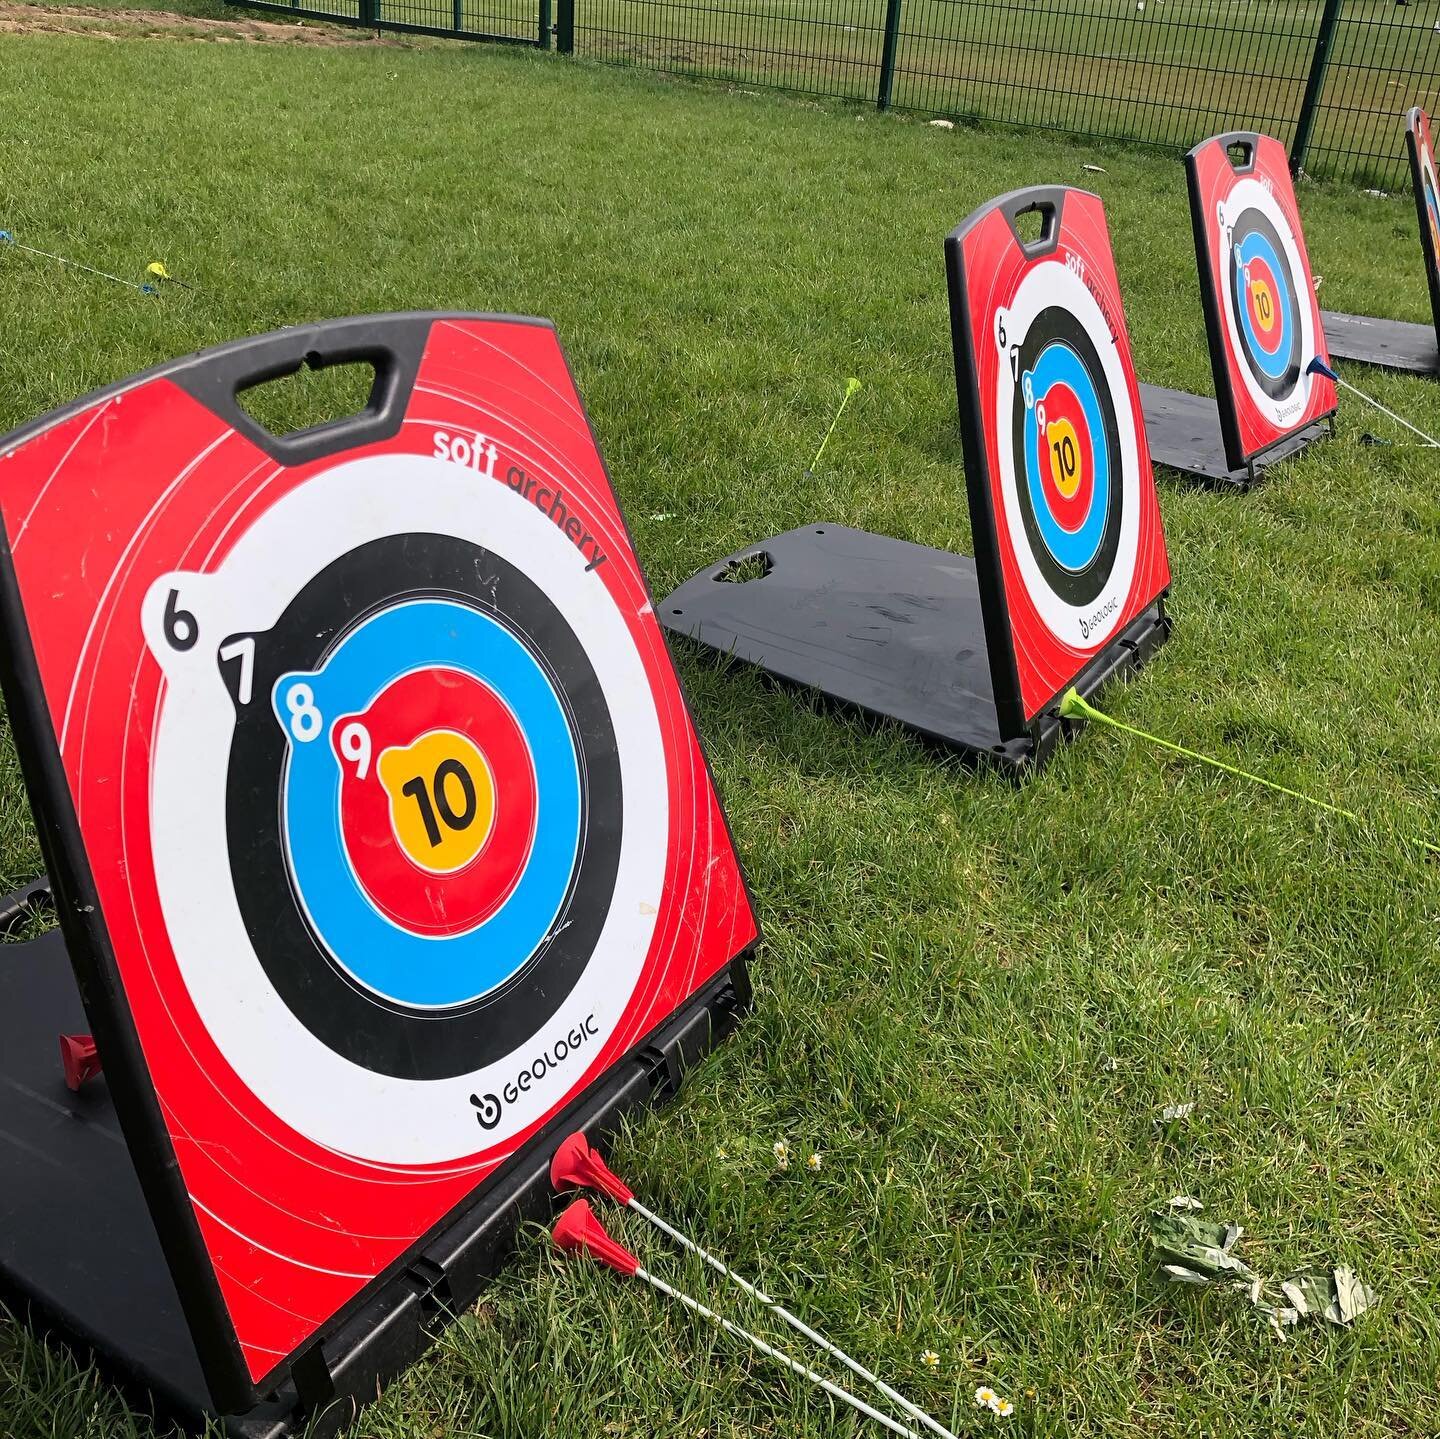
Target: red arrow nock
578,1229
577,1166
79,1058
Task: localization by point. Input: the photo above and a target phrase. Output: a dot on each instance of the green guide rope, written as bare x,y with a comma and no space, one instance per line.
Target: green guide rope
851,385
1074,706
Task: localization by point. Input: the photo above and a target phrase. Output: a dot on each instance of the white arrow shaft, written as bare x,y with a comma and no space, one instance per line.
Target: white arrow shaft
770,1351
799,1325
1386,410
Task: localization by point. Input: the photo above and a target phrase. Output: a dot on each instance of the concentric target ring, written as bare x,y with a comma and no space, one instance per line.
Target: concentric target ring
387,1079
1432,197
1064,426
1267,312
1070,479
1262,295
336,961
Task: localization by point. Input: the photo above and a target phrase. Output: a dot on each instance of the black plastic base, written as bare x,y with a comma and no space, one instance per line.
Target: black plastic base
889,627
1391,344
1184,435
78,1252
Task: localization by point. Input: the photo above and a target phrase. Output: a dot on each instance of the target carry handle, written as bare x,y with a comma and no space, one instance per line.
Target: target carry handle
391,344
1043,200
1240,147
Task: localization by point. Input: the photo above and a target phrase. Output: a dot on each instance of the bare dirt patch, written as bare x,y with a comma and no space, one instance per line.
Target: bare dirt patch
162,24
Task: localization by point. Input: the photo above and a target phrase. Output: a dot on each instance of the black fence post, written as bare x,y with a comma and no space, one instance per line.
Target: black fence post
370,13
565,26
544,24
887,56
1306,123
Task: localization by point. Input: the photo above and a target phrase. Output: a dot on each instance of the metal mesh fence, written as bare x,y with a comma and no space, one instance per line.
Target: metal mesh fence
524,22
1384,57
1330,78
1165,73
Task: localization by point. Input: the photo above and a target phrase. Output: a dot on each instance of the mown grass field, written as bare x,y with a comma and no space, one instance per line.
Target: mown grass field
973,999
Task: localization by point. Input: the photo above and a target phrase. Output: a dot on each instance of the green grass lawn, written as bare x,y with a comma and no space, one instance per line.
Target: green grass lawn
973,999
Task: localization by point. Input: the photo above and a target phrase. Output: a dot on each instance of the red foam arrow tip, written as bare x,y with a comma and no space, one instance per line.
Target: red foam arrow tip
79,1058
578,1230
577,1166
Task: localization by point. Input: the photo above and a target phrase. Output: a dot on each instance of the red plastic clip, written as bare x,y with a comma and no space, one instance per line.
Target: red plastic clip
80,1059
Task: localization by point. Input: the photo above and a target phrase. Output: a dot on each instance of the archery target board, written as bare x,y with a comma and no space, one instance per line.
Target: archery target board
1427,200
373,781
1067,526
1259,297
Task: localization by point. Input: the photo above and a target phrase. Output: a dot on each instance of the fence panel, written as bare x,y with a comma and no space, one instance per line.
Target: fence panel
519,22
817,47
1165,73
1331,79
1384,58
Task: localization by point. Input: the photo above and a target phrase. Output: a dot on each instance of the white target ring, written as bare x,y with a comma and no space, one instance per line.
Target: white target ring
1054,284
1249,194
331,1100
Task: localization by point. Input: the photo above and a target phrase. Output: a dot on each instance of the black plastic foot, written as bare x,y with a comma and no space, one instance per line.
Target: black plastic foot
883,625
1390,344
1184,434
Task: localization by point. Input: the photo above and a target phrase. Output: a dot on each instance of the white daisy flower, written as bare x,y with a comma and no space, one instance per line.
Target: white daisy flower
985,1398
930,1359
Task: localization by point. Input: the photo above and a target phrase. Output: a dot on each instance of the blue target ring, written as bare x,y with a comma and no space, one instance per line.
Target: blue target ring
1275,369
407,968
1274,362
1073,549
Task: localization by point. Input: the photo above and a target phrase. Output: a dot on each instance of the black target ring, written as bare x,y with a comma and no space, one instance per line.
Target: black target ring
1056,325
353,1021
1254,222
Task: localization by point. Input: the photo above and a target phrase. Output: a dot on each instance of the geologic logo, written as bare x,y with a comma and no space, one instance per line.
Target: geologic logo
1090,625
489,1107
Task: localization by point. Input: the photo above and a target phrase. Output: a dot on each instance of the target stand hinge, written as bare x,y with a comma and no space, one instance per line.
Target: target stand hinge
431,1286
30,899
663,1062
313,1381
664,1070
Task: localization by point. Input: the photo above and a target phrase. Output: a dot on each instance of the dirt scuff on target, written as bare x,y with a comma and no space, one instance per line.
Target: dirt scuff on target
164,25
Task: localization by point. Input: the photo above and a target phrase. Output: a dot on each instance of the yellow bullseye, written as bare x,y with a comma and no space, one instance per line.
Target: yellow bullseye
1064,446
442,799
1263,304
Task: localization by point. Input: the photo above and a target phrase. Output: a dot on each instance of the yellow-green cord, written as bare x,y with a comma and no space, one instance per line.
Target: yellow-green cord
1073,705
851,385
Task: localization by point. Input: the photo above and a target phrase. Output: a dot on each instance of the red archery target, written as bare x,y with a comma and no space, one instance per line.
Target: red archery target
1058,466
1261,311
1427,200
398,831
